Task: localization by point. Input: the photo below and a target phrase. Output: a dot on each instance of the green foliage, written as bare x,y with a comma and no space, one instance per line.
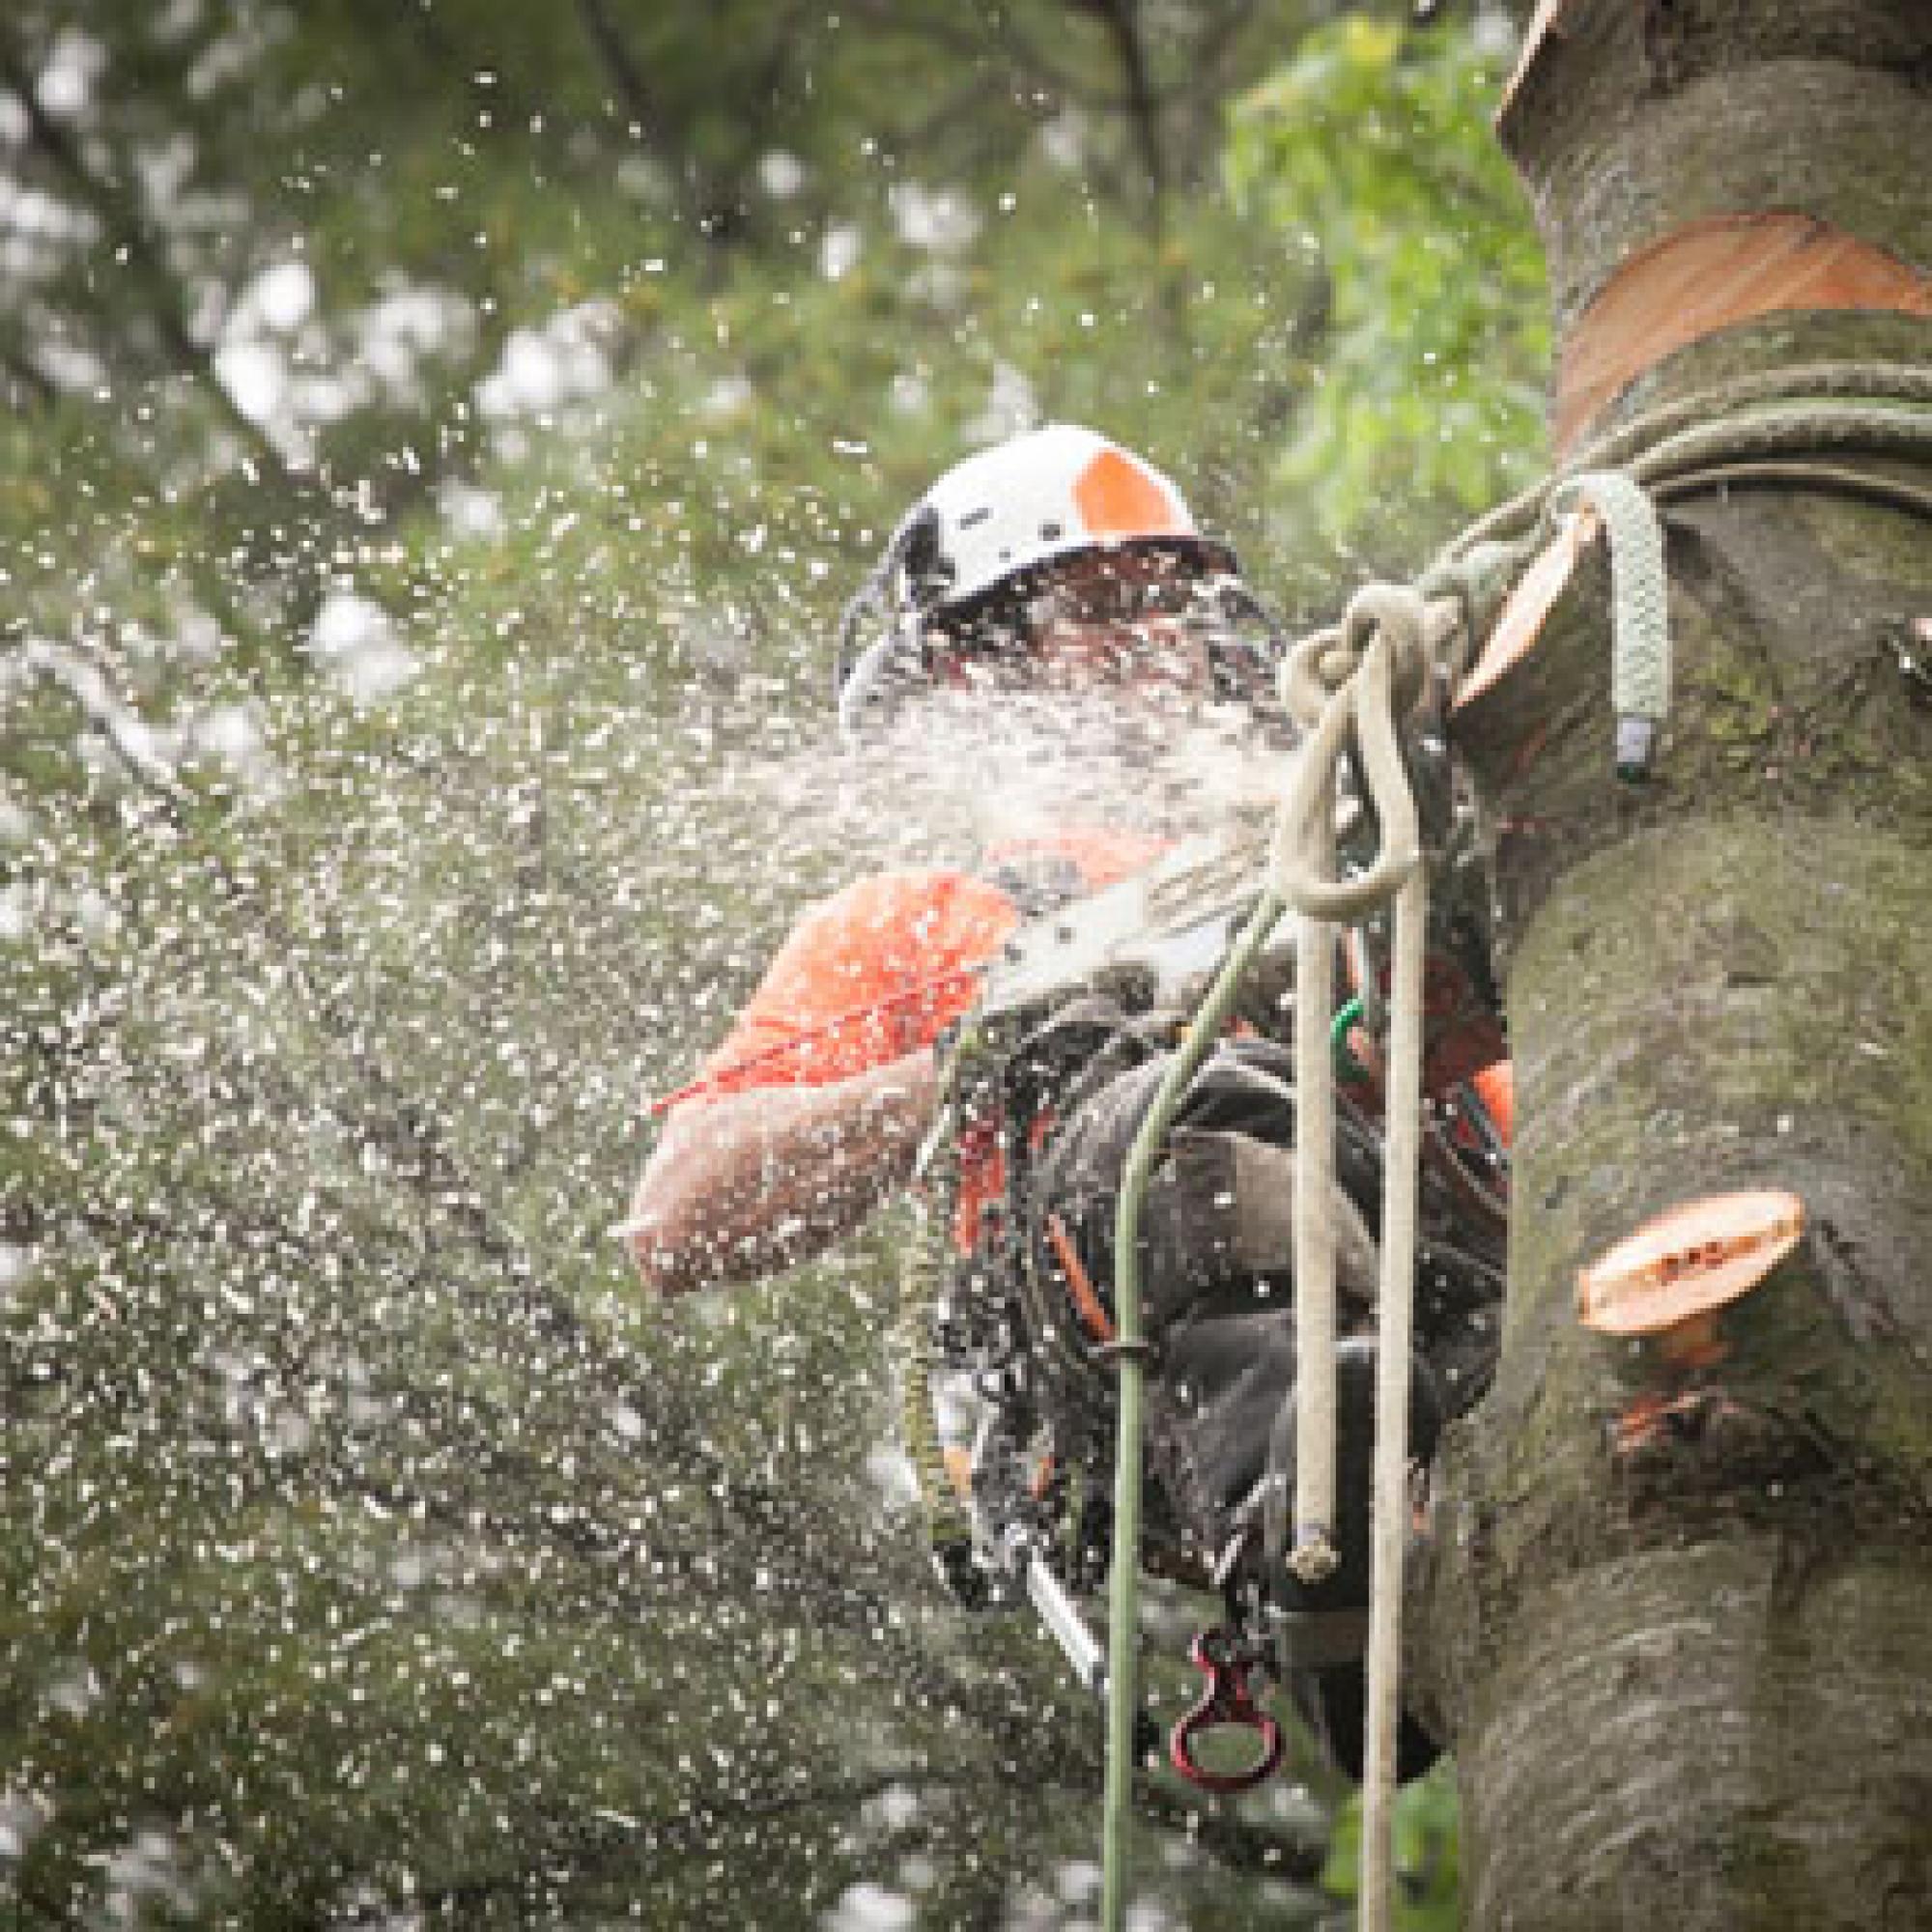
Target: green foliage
1369,153
1424,1834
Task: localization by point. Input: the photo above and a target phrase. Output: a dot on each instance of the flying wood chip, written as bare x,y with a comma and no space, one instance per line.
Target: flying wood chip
1683,1267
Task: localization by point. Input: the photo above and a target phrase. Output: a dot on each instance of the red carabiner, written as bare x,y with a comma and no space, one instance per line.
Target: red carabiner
1226,1701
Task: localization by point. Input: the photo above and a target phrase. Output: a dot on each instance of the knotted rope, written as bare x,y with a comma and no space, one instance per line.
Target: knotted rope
1340,686
1346,687
1349,687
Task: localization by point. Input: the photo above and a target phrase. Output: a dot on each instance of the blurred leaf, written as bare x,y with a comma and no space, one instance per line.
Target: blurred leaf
1424,1835
1374,142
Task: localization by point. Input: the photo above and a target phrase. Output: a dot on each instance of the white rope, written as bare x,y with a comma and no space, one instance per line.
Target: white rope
1639,605
1341,686
1394,1323
1311,1550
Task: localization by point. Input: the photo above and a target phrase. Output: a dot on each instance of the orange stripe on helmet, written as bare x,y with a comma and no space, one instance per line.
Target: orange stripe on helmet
1118,498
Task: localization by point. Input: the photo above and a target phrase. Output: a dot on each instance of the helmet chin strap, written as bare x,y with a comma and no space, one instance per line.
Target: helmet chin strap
863,679
866,681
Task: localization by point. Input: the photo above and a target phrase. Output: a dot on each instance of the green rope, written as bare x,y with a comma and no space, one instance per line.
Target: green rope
1804,428
923,1274
1346,1019
927,1260
1129,1347
1872,486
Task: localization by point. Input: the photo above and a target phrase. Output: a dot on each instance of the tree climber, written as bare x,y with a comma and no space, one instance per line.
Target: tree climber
1059,561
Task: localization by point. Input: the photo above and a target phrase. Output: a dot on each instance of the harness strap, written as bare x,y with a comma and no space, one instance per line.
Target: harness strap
1079,1283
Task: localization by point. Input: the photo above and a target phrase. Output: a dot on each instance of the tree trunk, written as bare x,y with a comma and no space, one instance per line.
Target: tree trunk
1682,1655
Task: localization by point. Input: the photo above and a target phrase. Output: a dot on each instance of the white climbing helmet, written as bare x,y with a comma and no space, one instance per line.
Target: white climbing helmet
1034,499
990,520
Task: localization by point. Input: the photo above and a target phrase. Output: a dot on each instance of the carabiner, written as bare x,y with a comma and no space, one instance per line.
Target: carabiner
1226,1701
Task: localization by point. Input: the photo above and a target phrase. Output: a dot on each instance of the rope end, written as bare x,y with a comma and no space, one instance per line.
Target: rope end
1313,1559
1636,748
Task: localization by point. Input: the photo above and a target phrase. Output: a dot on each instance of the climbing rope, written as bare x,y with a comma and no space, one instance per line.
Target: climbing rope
1349,689
924,1273
1341,686
1344,685
1639,609
1764,429
1882,407
1129,1351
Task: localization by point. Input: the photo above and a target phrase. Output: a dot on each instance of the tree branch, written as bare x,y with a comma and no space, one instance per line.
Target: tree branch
1122,20
646,112
131,738
128,230
20,382
716,205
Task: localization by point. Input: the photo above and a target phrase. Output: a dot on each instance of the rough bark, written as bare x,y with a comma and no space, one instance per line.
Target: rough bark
1686,1681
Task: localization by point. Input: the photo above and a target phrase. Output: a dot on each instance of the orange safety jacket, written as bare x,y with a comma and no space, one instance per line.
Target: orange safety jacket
882,968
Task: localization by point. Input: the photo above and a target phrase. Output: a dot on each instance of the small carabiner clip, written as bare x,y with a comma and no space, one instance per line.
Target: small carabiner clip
1226,1702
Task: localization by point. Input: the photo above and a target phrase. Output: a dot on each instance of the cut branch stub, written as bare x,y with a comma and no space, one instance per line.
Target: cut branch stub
1520,623
1670,1279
